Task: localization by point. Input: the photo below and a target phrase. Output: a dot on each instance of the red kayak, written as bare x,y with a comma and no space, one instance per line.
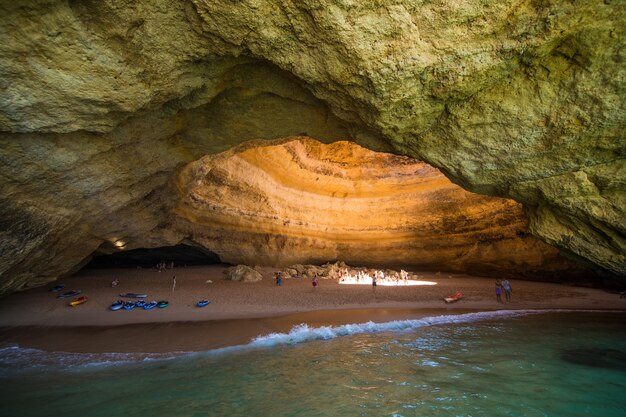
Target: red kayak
78,301
454,297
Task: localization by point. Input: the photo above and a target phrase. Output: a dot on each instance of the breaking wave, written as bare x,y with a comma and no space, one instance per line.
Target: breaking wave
303,333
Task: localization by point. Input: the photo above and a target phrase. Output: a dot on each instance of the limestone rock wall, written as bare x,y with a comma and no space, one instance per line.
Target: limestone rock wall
302,201
102,101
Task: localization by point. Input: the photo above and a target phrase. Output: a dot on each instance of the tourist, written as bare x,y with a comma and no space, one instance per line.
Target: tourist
374,281
314,281
173,283
279,279
498,291
115,282
507,289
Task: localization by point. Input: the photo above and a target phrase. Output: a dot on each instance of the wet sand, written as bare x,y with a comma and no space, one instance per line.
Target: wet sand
240,311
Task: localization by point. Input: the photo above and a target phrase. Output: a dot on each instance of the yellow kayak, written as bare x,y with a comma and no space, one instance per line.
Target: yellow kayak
78,301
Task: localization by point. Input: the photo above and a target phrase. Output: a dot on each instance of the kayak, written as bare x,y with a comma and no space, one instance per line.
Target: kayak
57,288
117,305
129,306
78,301
140,303
133,295
69,294
202,303
454,297
150,305
162,304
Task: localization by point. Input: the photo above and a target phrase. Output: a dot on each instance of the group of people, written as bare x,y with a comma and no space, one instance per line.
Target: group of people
162,266
503,285
377,277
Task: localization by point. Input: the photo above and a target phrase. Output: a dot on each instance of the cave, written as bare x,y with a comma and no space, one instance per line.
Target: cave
358,202
85,167
88,161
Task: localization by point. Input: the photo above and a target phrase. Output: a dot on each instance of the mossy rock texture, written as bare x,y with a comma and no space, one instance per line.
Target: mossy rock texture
103,103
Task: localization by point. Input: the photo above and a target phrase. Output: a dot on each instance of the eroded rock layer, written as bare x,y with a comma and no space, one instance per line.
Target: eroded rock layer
303,201
102,101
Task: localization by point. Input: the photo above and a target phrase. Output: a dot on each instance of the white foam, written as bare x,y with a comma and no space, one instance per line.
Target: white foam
303,333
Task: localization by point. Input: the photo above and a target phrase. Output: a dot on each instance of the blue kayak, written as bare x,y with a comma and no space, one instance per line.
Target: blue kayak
129,306
69,294
202,303
162,304
133,295
57,288
140,303
117,305
150,305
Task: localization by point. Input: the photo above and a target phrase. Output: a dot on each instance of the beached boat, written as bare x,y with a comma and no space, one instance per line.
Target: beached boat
202,303
162,304
78,301
129,305
133,295
454,297
150,305
57,288
69,294
117,305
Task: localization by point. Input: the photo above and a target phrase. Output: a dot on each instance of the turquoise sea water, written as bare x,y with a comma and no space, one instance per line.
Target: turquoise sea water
480,364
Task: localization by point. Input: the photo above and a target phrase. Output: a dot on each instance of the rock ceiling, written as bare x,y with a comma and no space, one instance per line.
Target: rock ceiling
302,202
104,103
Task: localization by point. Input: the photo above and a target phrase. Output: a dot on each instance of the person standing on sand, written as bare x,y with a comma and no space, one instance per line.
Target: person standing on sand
507,289
279,279
314,281
374,281
173,283
498,291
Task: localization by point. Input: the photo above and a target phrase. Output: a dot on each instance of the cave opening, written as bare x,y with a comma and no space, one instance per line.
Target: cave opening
297,200
180,255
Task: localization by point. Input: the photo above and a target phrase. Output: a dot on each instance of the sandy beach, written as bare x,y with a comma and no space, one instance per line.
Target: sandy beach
240,311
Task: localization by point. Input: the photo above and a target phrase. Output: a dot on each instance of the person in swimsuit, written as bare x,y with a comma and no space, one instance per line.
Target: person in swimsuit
506,285
498,291
314,282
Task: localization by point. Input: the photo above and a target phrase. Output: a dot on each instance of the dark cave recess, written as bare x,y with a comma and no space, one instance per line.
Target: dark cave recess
142,257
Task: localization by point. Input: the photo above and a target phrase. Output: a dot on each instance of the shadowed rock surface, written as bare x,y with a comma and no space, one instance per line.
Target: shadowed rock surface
102,102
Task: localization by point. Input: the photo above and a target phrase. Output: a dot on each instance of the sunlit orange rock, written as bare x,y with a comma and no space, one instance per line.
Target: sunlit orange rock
306,202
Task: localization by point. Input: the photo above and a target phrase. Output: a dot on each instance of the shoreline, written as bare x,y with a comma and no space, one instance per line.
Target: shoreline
241,311
198,336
